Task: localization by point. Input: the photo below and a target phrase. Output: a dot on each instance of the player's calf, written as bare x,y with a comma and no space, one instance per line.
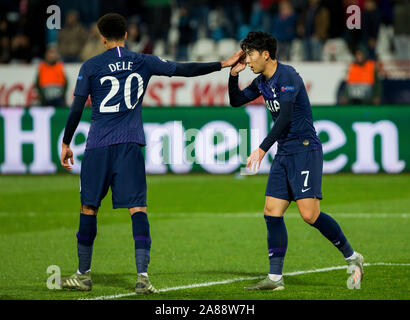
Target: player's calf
86,234
142,241
329,228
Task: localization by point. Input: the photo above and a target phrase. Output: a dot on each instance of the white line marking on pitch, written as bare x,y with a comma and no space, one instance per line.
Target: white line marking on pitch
213,283
366,215
287,215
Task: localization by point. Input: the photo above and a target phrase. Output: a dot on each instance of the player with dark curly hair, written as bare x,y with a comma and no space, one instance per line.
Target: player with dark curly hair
116,81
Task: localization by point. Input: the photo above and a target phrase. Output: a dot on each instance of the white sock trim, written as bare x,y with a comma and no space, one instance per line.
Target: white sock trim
275,277
78,271
354,255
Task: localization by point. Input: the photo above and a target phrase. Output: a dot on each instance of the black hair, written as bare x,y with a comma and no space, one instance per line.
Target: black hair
112,26
260,41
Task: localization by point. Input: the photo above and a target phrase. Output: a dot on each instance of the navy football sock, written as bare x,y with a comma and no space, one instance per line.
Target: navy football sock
85,240
277,243
142,240
332,231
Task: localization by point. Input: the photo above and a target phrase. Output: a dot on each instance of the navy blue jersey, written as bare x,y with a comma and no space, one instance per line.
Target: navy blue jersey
116,80
286,85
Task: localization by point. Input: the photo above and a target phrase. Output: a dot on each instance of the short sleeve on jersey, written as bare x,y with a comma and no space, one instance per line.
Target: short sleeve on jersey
82,87
159,66
289,85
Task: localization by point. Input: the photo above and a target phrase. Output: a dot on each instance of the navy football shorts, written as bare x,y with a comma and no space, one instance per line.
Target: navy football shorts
296,176
120,166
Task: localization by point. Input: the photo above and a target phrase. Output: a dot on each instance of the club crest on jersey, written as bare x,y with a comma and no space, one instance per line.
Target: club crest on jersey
272,105
274,93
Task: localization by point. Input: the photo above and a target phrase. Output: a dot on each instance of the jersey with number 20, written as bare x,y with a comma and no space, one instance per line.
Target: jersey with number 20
116,81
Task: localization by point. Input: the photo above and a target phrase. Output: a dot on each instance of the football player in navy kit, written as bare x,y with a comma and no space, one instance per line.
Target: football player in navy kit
116,81
296,171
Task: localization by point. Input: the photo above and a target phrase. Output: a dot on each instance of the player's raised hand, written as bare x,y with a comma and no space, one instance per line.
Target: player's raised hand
239,65
254,160
238,55
66,154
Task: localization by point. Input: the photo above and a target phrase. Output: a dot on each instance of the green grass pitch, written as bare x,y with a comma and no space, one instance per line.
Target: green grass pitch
205,229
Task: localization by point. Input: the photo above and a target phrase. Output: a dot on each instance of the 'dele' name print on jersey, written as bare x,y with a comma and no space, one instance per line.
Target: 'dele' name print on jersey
116,81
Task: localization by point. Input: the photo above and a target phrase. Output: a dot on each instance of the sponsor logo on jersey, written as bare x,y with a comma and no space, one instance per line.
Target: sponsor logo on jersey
272,105
287,88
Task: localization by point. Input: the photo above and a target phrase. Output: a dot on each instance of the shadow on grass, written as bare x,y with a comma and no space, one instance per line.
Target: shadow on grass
210,272
123,280
111,283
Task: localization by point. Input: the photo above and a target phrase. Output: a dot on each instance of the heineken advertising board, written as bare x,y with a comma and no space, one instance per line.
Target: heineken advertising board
359,139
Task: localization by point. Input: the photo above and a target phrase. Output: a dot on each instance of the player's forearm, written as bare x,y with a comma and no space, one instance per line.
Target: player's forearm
74,118
236,97
280,125
193,69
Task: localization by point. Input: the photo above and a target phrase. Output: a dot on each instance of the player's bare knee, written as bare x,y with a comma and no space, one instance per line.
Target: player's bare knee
272,211
309,216
137,209
89,210
309,209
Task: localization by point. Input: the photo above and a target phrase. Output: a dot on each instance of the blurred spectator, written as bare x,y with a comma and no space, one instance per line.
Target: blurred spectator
217,24
4,41
93,45
178,24
243,31
401,25
337,13
386,11
158,18
313,27
234,15
198,11
362,84
20,49
261,16
284,29
20,45
370,27
186,34
71,38
138,39
51,81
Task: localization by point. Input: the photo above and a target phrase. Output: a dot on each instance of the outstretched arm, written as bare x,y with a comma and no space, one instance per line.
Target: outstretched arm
193,69
161,67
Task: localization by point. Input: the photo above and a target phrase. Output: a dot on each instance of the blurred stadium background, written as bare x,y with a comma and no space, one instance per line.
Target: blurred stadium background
359,87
